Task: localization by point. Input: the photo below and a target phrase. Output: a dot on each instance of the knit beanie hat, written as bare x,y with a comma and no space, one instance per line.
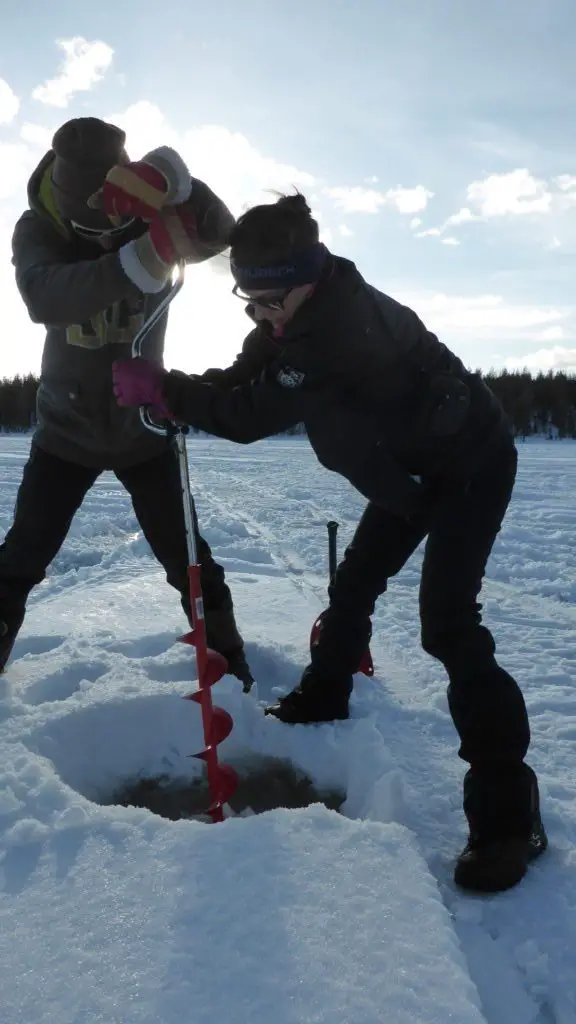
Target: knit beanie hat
84,151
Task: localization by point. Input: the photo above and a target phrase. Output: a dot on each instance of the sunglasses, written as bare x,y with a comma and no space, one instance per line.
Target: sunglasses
272,300
96,233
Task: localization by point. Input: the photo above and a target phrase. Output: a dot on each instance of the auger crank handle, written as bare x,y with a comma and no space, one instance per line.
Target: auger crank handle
152,320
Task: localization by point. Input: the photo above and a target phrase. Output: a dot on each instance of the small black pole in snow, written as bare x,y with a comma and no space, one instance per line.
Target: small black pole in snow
332,528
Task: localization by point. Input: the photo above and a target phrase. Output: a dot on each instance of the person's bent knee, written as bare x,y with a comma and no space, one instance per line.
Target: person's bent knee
457,646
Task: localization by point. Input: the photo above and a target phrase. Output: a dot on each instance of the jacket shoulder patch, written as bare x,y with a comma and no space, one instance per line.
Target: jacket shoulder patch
289,377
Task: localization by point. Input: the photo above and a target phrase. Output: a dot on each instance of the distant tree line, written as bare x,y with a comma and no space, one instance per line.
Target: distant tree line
544,404
18,402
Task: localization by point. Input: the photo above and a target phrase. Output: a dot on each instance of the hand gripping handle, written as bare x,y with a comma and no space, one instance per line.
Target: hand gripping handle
145,330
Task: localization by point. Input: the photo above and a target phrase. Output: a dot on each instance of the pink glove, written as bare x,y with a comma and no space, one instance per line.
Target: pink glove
139,382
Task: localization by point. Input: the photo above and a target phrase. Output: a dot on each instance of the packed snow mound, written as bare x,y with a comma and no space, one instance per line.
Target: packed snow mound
292,917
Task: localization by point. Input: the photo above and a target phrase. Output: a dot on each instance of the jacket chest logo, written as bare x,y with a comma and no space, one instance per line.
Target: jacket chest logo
113,326
290,378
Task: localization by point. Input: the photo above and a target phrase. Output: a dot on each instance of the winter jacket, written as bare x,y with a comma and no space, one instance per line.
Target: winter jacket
92,310
384,402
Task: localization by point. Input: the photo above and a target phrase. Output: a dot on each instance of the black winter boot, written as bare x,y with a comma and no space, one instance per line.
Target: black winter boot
222,636
9,629
314,700
506,830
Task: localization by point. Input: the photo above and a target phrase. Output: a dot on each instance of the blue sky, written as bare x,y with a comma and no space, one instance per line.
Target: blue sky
434,138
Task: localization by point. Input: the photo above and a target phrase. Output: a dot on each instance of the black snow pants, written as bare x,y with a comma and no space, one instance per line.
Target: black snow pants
52,491
461,525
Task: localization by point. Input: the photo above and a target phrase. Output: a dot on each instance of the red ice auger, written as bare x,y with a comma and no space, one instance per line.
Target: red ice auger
211,666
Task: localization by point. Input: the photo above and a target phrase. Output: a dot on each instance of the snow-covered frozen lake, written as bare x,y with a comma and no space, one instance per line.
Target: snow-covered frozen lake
114,915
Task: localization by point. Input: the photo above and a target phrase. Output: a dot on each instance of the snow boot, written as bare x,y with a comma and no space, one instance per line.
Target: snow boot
9,629
505,837
313,700
222,636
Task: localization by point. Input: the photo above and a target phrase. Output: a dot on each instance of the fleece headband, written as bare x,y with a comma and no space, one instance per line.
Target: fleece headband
303,266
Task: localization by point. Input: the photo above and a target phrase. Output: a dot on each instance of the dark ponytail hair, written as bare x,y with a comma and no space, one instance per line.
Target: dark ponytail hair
269,232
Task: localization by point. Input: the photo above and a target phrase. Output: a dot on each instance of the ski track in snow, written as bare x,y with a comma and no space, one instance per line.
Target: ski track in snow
96,696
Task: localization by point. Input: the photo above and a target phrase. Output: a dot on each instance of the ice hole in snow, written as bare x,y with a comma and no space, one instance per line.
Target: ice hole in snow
136,752
265,783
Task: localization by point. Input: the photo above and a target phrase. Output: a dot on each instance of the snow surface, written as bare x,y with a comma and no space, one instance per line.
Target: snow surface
115,915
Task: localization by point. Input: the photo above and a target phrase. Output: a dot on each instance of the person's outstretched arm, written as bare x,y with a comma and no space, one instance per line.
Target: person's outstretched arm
242,414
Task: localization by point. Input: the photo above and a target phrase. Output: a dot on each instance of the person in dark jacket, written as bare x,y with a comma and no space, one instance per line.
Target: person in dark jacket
394,411
93,280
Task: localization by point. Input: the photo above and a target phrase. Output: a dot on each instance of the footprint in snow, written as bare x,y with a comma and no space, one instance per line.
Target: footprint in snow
181,671
145,646
63,683
36,645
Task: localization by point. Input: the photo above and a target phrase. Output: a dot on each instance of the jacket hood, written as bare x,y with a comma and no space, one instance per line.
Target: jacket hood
40,195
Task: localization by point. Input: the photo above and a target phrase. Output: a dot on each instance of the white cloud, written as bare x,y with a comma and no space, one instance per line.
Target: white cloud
207,324
517,192
565,199
409,200
555,358
16,164
566,182
9,103
481,318
503,195
357,199
84,65
344,230
233,167
415,222
450,240
463,216
555,333
37,135
22,345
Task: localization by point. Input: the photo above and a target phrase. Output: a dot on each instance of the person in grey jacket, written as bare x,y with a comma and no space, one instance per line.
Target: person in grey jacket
93,280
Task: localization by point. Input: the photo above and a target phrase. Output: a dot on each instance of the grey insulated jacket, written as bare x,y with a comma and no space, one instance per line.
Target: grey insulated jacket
91,311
